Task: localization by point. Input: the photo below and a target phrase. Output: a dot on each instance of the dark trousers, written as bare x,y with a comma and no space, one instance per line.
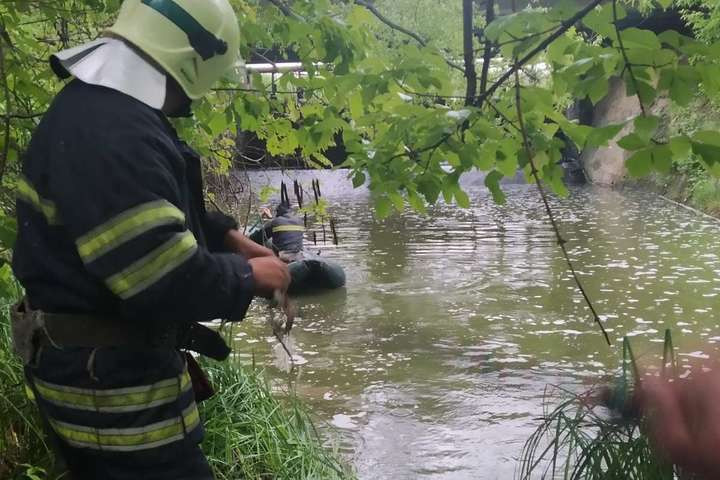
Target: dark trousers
117,370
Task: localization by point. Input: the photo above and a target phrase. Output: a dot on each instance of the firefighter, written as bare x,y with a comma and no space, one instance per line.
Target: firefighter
117,253
287,233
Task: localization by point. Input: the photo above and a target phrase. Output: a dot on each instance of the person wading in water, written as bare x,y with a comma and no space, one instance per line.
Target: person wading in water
118,255
287,233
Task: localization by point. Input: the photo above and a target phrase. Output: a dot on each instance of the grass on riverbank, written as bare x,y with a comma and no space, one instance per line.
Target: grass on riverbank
598,434
250,433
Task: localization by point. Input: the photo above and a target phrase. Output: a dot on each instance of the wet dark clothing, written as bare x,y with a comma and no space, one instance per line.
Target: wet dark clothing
287,233
111,222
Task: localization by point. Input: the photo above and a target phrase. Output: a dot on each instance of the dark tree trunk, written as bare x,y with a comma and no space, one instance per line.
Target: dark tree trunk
470,72
488,53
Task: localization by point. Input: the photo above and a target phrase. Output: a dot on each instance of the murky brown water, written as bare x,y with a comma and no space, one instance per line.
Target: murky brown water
433,362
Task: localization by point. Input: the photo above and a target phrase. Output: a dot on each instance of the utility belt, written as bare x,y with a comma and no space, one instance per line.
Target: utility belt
34,328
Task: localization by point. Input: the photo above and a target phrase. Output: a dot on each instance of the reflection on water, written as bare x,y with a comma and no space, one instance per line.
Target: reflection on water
432,363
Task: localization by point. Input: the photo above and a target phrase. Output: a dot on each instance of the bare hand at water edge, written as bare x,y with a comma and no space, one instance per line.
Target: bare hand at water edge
270,274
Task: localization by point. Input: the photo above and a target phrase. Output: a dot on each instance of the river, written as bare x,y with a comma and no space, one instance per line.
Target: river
433,362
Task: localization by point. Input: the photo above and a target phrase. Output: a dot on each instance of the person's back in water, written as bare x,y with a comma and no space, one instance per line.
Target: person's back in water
287,232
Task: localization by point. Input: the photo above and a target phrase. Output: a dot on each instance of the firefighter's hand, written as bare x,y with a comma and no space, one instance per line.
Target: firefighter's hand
684,420
270,274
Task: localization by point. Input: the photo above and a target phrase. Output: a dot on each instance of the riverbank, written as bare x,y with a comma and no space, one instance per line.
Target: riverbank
250,432
689,182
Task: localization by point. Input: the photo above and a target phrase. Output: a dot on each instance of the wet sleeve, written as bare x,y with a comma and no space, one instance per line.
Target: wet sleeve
216,225
121,203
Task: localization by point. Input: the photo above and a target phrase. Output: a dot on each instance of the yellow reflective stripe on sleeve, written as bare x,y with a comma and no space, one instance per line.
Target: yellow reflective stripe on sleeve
129,439
27,193
288,228
126,226
118,400
154,266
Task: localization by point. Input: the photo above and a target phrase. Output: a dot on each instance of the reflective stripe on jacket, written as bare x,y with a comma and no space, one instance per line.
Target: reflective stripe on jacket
117,400
287,233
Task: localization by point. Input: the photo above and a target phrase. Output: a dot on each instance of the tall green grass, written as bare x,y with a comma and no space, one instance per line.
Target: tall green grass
250,433
596,435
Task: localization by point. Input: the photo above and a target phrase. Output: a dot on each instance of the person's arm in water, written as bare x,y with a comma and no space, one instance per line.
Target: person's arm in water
238,243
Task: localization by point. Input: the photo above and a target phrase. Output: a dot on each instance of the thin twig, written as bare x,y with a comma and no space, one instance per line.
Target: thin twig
503,116
23,116
561,241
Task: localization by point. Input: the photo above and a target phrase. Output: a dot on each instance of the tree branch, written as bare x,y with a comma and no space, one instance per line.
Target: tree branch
560,240
284,9
489,50
373,9
470,73
628,65
22,116
564,27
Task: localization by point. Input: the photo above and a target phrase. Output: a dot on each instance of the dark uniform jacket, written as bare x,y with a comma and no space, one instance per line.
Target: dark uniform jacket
112,220
112,223
287,233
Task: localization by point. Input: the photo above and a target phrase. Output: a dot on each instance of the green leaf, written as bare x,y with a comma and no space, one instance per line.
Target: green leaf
633,142
645,126
637,38
492,182
681,92
662,159
397,200
8,232
640,163
680,147
430,186
601,20
416,202
450,186
599,137
485,158
646,92
358,179
462,198
356,105
711,137
598,90
468,153
508,166
383,206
